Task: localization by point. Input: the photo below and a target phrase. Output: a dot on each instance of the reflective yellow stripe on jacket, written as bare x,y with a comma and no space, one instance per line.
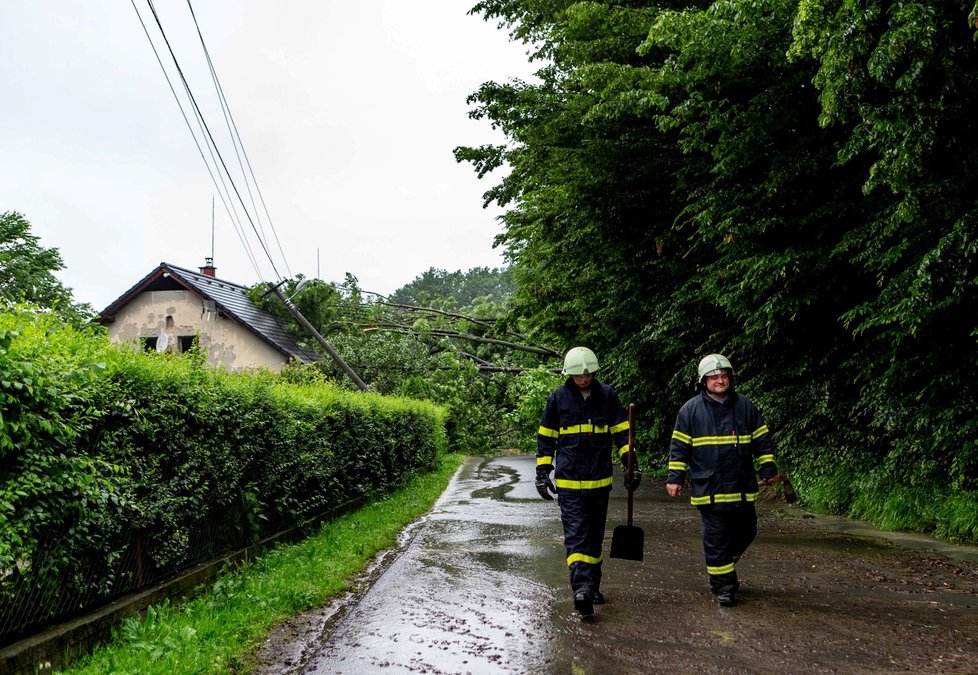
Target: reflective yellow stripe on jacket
732,498
549,433
700,441
584,429
682,438
583,484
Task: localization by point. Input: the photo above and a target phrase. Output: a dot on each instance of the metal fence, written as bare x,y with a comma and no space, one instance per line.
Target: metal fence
44,591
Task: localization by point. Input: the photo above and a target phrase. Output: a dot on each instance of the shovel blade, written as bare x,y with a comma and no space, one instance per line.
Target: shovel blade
627,542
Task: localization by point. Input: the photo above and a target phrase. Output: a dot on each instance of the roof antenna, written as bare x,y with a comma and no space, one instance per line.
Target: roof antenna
208,270
212,229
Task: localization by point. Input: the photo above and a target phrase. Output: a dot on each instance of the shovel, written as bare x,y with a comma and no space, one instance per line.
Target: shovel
628,540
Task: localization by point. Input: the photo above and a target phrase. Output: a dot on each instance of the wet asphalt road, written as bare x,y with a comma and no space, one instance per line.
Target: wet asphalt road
480,586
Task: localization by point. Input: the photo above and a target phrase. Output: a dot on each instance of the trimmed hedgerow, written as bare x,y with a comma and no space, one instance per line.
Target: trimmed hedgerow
118,467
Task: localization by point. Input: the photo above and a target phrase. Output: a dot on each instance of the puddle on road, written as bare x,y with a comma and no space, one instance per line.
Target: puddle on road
466,596
909,540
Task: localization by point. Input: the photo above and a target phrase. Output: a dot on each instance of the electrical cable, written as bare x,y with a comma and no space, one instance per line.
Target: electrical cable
210,136
232,214
224,193
238,143
212,144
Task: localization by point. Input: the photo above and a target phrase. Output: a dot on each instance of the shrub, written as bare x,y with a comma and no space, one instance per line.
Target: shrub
120,467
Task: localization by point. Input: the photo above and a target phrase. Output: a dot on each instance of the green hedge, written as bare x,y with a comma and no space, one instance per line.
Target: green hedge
104,449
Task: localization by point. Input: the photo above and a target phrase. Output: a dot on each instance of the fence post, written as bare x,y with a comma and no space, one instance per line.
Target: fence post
139,560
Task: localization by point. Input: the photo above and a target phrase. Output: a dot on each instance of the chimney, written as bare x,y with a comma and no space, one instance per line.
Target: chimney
208,270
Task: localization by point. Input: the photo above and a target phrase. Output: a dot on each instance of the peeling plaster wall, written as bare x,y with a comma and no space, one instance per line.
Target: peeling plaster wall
182,313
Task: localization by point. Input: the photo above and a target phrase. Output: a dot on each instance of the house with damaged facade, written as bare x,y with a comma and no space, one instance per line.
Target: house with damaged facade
171,307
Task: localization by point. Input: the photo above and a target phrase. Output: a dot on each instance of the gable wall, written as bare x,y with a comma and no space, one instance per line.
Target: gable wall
228,344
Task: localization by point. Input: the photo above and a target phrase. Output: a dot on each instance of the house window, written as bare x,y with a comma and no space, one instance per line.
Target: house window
187,342
149,343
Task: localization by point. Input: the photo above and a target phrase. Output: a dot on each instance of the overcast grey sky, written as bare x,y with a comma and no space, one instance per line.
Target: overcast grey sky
349,112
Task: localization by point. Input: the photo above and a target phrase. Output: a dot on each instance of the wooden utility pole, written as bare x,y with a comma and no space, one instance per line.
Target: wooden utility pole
320,339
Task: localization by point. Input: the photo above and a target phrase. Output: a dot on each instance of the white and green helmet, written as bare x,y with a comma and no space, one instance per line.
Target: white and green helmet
713,364
580,361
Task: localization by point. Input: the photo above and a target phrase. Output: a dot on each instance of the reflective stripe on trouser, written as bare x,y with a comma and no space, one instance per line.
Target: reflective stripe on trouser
726,535
583,514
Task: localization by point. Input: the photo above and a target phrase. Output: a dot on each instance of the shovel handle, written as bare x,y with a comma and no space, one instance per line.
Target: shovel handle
630,471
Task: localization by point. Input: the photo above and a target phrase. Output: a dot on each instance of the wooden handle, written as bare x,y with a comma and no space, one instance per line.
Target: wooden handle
631,439
631,456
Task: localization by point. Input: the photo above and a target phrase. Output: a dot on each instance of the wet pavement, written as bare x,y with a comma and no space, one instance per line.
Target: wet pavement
480,586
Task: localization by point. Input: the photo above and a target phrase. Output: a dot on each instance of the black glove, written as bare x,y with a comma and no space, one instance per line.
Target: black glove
632,485
544,485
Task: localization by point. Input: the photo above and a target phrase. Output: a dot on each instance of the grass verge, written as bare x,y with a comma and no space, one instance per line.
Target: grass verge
216,631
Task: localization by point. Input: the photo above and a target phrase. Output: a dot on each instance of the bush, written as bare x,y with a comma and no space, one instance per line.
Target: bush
48,371
121,466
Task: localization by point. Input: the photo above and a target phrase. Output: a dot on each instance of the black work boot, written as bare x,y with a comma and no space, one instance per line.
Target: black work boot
584,603
726,599
597,598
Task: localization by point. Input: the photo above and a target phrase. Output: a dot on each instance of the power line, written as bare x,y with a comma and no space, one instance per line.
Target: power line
238,143
212,143
210,136
232,214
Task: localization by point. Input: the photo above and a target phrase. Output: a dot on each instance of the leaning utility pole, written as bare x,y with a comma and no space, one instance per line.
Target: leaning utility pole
319,338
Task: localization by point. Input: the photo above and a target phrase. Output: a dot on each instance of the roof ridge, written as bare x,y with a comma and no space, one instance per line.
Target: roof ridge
234,302
204,276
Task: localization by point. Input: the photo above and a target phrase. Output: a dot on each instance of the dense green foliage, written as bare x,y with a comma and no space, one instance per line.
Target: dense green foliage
49,482
216,631
423,343
27,270
786,181
102,445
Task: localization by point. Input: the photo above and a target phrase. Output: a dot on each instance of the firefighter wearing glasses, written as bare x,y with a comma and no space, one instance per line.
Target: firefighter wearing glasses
583,425
718,438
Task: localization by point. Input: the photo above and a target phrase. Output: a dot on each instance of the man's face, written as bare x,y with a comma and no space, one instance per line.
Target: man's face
718,385
583,382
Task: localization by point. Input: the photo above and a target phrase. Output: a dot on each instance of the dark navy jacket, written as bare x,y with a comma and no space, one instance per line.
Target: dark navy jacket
717,444
577,435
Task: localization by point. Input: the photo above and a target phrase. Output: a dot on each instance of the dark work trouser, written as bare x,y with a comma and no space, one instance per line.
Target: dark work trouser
727,532
584,513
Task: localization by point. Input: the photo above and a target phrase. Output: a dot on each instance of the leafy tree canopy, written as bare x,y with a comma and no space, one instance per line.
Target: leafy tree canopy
454,290
786,181
27,270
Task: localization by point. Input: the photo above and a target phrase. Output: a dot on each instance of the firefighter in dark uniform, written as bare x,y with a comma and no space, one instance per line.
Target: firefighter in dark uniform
718,438
583,424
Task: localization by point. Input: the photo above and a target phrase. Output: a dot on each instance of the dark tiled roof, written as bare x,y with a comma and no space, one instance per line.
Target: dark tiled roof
230,299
